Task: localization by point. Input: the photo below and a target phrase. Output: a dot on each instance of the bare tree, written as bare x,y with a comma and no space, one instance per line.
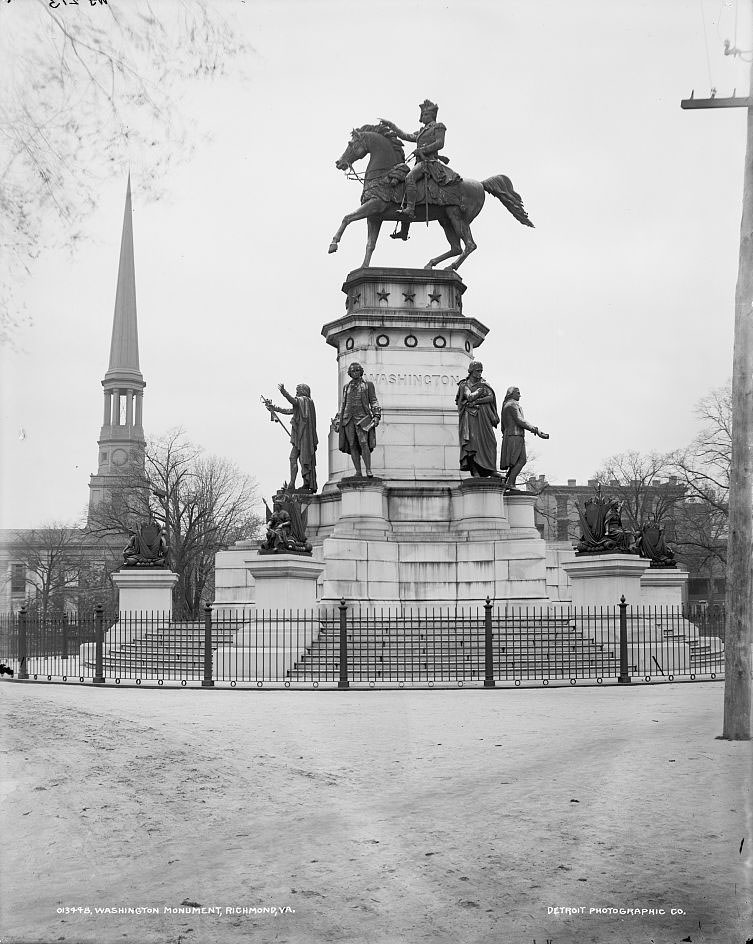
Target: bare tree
86,91
633,477
54,558
204,503
705,465
704,470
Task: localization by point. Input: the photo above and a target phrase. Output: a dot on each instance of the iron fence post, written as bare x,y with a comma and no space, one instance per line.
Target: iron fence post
624,677
23,671
99,640
488,652
64,641
343,683
207,681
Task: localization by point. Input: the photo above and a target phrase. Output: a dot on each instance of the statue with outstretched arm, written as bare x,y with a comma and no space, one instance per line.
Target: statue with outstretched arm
513,455
303,438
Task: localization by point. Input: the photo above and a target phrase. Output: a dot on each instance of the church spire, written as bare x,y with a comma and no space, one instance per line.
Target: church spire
124,347
121,439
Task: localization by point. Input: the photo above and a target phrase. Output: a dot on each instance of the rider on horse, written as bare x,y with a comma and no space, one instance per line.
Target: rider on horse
429,141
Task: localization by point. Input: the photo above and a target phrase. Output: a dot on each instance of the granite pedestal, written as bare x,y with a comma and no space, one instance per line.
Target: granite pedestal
664,586
145,605
267,647
602,579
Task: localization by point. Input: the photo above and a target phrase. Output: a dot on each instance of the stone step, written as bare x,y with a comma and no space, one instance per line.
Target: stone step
479,664
458,652
479,640
156,647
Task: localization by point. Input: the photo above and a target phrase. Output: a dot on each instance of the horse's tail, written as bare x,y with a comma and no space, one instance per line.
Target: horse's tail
501,188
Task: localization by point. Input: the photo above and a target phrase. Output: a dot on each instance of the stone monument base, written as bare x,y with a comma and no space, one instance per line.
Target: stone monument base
664,586
145,605
284,581
602,579
267,648
145,590
411,546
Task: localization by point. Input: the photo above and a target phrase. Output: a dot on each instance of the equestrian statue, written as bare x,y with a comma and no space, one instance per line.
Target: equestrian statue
431,190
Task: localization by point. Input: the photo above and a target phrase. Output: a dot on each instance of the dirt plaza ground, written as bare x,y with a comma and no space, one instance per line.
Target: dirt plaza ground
373,816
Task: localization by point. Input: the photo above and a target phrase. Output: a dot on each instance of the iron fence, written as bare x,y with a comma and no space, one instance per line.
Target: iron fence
340,646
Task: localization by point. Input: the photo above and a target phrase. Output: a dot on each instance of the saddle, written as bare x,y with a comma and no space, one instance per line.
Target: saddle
443,185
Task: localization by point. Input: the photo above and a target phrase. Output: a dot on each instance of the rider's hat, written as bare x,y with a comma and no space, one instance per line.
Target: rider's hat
429,106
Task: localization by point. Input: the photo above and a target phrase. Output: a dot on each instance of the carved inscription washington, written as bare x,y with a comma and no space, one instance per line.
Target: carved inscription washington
416,380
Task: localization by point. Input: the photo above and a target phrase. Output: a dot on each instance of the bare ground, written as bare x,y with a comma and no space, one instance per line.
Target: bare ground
374,816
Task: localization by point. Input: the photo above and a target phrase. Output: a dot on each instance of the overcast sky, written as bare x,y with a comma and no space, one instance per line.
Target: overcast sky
614,315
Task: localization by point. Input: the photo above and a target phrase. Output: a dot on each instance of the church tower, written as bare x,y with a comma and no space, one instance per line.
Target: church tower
121,439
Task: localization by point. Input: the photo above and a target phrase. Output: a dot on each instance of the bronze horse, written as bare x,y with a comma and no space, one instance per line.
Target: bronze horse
381,191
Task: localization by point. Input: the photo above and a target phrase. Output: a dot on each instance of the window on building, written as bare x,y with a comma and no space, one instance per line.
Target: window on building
18,578
562,506
698,587
563,528
720,586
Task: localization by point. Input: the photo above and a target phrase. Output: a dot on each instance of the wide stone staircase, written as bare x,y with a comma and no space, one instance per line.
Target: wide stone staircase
166,649
385,650
705,654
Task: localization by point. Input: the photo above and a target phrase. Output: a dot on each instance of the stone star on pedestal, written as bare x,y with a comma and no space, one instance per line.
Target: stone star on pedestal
409,296
382,295
435,297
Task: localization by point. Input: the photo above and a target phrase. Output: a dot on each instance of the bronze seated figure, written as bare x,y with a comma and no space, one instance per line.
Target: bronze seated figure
286,526
651,545
147,547
602,531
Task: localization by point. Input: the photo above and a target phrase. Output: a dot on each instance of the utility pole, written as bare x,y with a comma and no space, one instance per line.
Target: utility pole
739,596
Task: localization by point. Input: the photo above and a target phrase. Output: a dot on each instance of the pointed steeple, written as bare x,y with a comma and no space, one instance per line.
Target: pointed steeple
124,346
121,439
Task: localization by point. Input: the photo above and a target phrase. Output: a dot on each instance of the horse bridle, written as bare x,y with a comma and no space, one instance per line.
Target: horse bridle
352,173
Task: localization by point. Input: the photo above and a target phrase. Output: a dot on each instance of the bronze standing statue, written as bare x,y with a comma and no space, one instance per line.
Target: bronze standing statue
431,190
513,455
358,419
477,419
303,436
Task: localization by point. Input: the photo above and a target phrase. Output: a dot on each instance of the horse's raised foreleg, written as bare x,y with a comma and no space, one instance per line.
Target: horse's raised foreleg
363,212
374,224
452,233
